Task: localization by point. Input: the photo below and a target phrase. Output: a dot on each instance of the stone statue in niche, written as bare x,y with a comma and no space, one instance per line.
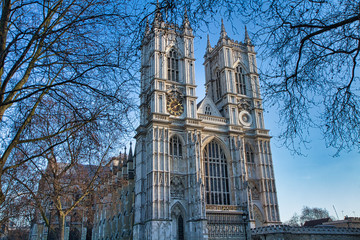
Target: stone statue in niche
255,192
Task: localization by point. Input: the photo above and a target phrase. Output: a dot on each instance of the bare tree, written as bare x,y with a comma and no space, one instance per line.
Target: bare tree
69,62
67,80
17,210
313,52
67,68
307,214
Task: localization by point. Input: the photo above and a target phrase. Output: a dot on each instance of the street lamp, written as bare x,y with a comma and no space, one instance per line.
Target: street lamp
245,220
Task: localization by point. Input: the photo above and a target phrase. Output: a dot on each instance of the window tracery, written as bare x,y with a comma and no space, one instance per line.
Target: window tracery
250,160
216,175
240,80
176,153
173,66
207,109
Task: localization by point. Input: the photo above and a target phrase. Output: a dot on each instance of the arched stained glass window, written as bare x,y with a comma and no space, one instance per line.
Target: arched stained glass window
216,175
240,80
173,66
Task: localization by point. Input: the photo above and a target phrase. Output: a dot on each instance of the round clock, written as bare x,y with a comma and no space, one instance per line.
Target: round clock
175,107
245,118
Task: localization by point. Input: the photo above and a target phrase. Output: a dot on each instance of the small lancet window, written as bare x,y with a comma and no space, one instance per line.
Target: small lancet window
240,80
208,110
218,85
175,146
250,161
173,66
249,154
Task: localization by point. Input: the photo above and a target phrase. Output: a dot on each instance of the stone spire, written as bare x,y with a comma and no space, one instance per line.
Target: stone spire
223,31
147,26
125,158
158,16
119,173
130,156
186,24
186,18
130,163
208,46
247,38
124,166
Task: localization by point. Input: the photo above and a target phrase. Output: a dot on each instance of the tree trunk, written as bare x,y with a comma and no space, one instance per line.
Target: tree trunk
62,226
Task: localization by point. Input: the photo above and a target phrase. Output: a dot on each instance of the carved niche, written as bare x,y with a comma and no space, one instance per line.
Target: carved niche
177,188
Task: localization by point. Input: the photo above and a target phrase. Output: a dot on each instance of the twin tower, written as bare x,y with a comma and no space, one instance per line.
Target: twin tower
202,170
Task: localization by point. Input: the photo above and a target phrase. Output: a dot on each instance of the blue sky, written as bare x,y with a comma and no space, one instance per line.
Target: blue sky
317,179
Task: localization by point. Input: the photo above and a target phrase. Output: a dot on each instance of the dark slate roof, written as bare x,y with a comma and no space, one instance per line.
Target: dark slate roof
312,223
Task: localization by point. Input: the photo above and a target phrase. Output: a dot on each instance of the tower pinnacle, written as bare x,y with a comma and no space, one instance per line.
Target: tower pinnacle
147,26
186,22
247,38
223,31
158,15
208,46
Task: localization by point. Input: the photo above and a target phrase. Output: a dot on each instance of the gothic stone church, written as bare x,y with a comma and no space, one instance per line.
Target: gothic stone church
202,171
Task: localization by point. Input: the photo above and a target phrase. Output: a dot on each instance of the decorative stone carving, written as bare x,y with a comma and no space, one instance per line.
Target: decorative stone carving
177,186
244,104
176,211
255,192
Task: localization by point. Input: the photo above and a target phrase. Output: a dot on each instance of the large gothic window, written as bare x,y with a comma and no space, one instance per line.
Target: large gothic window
176,153
218,85
216,175
173,66
240,80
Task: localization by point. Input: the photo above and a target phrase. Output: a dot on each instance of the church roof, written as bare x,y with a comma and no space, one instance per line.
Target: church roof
208,102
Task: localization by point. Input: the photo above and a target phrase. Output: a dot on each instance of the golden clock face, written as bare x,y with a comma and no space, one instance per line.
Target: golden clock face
175,107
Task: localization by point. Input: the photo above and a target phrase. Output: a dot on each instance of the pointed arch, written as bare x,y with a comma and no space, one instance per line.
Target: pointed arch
178,218
223,145
258,217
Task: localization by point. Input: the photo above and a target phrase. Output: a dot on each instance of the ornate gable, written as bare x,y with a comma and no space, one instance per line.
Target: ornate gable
207,107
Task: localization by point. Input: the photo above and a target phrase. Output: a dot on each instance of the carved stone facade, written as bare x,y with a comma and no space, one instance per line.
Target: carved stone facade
202,170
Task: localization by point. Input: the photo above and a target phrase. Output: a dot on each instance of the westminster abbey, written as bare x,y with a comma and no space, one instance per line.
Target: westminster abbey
199,170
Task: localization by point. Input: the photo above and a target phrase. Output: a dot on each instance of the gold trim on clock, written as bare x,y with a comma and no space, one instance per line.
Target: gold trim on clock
175,106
